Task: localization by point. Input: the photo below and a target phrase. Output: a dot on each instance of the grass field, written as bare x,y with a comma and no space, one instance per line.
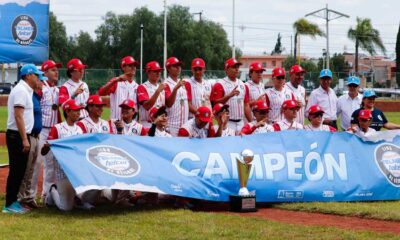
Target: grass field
107,223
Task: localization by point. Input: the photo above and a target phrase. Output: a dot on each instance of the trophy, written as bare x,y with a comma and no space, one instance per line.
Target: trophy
244,201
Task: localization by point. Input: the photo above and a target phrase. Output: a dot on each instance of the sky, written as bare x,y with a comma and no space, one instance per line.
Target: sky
257,22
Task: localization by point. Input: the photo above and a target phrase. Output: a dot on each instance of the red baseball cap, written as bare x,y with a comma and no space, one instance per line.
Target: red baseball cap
231,62
70,104
296,69
289,104
128,103
219,107
172,61
155,112
198,62
365,114
95,100
75,64
278,71
256,66
46,65
128,60
315,109
204,114
153,66
260,105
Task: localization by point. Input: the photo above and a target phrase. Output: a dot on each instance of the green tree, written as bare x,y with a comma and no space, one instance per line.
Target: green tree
306,28
308,65
338,65
398,58
278,49
59,50
366,38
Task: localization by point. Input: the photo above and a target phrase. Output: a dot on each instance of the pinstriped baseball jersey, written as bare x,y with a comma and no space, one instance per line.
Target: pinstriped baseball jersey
178,113
144,92
160,133
285,125
255,90
236,103
225,132
49,98
299,94
123,91
194,131
88,126
200,93
275,100
132,129
81,99
322,127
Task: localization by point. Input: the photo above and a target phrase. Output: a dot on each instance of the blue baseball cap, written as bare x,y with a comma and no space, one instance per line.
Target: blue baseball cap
369,93
30,69
42,77
325,73
353,80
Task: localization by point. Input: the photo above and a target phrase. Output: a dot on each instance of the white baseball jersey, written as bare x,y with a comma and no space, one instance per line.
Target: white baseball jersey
178,113
236,103
225,132
88,126
299,94
195,132
251,128
322,127
144,92
275,100
133,128
49,98
255,90
285,125
62,130
200,93
160,133
121,91
68,89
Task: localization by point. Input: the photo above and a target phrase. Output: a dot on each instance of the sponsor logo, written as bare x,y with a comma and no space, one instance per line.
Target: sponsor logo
364,193
24,30
387,157
328,194
176,187
113,160
289,194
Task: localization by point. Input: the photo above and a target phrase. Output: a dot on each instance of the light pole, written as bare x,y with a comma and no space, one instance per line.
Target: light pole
233,30
165,38
141,53
323,58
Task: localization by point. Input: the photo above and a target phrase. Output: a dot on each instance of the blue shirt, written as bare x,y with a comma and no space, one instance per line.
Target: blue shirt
378,119
37,114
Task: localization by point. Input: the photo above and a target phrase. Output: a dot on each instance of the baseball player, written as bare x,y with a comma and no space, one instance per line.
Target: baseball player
315,114
75,88
289,112
276,95
199,89
260,124
235,93
177,97
93,123
159,117
296,78
221,114
255,85
200,126
363,128
151,93
121,87
62,194
128,125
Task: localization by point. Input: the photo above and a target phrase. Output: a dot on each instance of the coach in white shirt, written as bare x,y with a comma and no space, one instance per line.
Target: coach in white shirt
325,97
350,102
19,126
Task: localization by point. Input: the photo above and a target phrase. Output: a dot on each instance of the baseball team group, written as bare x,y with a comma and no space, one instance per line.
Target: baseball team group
40,110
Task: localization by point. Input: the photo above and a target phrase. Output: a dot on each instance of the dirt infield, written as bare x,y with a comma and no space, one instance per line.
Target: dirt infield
292,217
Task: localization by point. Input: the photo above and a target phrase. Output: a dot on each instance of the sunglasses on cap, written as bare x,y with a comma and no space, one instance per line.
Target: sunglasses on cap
352,85
315,115
280,77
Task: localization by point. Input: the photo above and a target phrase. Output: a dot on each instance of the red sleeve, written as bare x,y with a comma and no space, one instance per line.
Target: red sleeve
246,94
211,131
293,97
63,95
267,100
217,92
102,92
142,94
82,126
167,91
144,131
59,116
277,128
188,91
248,129
183,132
110,125
53,134
332,129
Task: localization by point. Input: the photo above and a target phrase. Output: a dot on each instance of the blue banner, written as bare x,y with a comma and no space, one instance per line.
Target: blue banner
287,166
24,31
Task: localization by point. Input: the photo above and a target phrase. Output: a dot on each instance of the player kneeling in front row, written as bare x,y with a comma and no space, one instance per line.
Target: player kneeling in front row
200,126
221,114
289,112
159,118
260,125
315,114
364,121
128,125
62,194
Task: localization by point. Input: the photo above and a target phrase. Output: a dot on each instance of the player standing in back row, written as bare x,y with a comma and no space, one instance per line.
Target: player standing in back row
296,78
255,85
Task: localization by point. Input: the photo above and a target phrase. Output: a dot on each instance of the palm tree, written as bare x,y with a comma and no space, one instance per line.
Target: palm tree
365,37
304,27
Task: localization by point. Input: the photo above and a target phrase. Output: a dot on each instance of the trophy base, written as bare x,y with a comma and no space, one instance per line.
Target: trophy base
242,203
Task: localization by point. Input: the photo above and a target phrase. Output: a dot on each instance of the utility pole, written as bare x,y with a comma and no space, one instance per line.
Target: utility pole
199,13
141,53
233,30
328,15
165,38
291,45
